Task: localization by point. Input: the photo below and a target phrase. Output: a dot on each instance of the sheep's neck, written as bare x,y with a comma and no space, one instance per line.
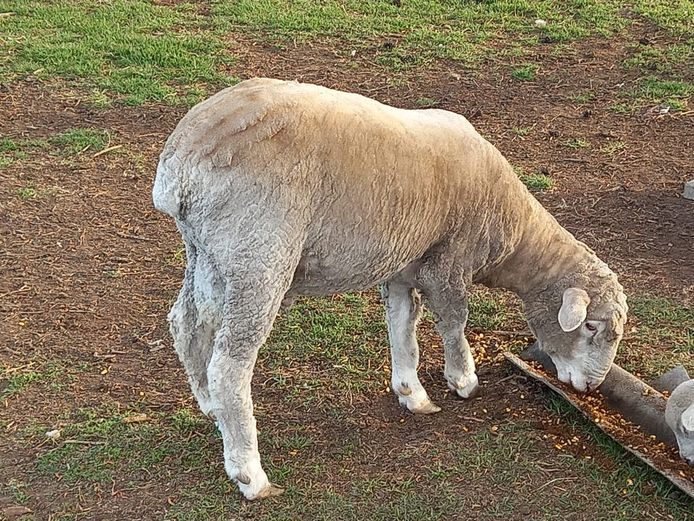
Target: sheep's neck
544,253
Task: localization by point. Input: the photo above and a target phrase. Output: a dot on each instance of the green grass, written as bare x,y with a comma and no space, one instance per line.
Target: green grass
72,142
578,143
17,490
677,16
525,72
341,340
108,443
78,140
52,375
622,108
659,335
487,312
27,192
426,103
427,29
536,182
664,322
136,50
13,150
17,381
317,348
582,97
521,132
654,89
660,59
613,147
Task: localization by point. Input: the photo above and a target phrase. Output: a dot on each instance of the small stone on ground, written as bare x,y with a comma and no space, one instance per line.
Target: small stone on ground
689,190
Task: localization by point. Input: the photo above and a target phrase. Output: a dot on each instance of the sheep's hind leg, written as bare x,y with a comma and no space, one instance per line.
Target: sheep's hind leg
193,331
403,311
256,281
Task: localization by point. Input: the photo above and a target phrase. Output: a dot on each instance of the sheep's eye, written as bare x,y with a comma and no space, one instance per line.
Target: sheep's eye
591,327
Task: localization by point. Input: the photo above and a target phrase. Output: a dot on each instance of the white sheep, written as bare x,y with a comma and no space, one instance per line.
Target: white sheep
282,189
679,415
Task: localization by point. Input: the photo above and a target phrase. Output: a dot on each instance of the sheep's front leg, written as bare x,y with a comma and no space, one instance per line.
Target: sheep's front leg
403,311
459,369
447,298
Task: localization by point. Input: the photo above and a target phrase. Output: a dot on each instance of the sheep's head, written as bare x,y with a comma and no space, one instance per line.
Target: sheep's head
580,329
679,415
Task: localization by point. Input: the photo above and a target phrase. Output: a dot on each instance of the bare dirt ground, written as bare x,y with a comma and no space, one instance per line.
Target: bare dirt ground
89,271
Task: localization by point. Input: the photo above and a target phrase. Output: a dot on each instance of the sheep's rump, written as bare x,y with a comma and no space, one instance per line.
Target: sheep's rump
368,188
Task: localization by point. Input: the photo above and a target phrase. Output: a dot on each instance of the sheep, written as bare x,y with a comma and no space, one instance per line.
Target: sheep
679,415
281,189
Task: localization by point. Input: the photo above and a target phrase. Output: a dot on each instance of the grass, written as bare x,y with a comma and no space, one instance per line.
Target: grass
536,182
487,312
137,51
110,443
521,132
427,29
582,97
426,103
53,375
660,334
677,16
13,150
17,490
514,454
613,147
654,89
335,339
338,338
525,72
664,322
622,108
27,192
659,59
132,48
17,381
578,143
72,142
79,140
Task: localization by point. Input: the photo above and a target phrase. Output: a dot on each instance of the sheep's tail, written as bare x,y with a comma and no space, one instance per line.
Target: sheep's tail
167,193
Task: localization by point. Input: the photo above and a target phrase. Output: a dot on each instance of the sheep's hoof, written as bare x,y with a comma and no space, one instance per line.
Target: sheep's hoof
468,387
416,402
423,407
270,491
428,407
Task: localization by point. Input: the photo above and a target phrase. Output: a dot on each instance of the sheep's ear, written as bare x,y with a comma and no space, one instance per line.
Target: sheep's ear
574,309
688,419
